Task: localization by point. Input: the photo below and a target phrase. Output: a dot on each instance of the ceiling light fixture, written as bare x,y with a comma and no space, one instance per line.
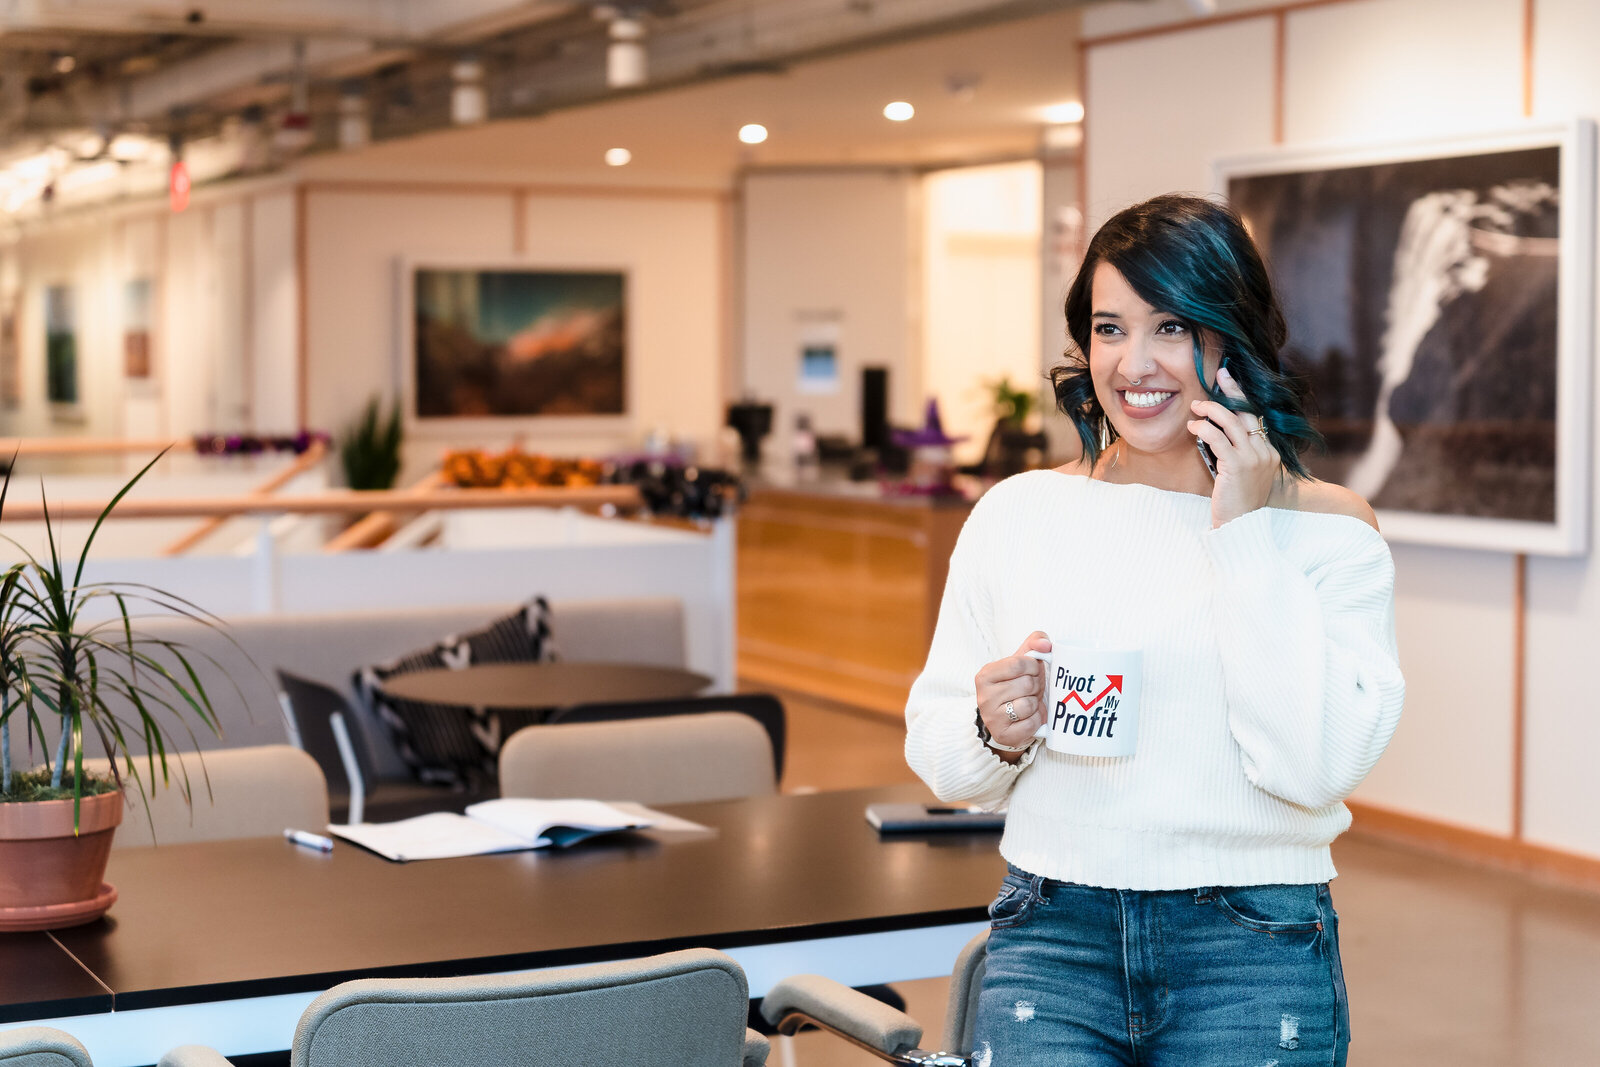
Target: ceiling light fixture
1067,111
752,133
65,64
469,103
625,56
618,157
899,111
355,129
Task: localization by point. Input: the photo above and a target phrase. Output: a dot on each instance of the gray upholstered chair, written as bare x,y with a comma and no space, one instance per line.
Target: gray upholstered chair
253,792
879,1029
41,1046
685,1007
672,759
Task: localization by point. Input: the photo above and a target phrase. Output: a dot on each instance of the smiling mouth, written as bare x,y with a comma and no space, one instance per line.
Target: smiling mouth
1146,398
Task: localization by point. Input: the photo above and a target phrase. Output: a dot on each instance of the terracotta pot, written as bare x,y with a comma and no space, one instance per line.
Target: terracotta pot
49,876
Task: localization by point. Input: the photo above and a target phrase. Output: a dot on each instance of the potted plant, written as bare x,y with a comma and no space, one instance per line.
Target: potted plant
369,449
1010,441
58,666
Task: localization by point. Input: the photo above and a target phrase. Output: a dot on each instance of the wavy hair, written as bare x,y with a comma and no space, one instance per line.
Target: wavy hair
1194,259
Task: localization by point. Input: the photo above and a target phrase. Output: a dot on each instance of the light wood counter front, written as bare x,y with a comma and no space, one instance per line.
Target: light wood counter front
838,593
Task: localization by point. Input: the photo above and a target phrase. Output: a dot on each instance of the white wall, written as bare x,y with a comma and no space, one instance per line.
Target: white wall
1063,239
670,247
839,244
223,316
1376,70
79,254
981,263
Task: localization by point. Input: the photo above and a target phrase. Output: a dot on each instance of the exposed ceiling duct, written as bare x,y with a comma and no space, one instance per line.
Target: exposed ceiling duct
297,73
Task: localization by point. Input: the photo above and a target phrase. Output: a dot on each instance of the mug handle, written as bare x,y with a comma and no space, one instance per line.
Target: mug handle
1042,657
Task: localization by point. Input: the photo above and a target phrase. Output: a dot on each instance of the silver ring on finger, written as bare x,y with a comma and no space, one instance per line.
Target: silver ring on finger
1011,713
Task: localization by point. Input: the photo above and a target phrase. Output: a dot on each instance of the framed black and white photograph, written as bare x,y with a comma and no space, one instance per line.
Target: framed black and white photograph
496,342
1439,299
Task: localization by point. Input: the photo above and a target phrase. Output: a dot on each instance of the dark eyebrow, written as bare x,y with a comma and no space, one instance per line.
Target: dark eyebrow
1105,315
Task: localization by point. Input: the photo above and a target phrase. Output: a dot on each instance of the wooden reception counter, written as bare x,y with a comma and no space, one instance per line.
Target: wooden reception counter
839,587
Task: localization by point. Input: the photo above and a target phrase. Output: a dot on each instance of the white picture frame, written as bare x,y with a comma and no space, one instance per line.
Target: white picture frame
1341,203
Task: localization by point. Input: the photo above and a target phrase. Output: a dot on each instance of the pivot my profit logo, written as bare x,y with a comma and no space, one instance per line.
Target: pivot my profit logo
1081,715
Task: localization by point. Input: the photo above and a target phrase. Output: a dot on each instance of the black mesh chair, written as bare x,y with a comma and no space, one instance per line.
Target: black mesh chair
762,707
323,724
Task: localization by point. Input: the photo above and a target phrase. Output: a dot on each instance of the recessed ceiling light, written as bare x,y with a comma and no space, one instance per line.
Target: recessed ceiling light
65,64
899,111
753,133
1069,111
618,157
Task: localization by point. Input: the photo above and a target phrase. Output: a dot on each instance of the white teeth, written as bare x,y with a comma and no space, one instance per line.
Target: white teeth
1145,400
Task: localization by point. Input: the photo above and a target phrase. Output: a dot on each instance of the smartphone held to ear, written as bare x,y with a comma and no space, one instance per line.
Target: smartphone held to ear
1206,454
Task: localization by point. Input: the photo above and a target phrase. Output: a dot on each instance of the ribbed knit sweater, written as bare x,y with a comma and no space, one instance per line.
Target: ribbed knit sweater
1270,681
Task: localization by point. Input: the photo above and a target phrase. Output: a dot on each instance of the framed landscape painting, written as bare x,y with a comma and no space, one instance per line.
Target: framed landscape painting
1439,299
516,342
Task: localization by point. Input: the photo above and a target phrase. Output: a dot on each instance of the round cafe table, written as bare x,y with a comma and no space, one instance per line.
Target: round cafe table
457,719
516,686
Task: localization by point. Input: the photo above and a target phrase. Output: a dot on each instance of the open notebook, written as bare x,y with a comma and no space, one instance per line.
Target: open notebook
506,825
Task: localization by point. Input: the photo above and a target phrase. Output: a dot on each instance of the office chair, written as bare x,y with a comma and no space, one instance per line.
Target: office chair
683,1007
673,759
256,791
41,1046
326,727
763,707
891,1035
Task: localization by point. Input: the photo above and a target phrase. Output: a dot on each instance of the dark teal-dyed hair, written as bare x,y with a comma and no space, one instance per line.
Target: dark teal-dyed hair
1194,259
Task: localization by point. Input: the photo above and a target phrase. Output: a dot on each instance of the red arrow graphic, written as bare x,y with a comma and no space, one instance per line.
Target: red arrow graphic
1116,683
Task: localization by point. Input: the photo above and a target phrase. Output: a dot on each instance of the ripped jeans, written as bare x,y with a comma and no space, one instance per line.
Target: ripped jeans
1219,977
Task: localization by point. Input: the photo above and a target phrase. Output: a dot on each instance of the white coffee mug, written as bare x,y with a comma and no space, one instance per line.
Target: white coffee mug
1091,700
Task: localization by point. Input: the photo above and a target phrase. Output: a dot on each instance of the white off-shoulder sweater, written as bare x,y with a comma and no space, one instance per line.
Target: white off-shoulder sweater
1270,681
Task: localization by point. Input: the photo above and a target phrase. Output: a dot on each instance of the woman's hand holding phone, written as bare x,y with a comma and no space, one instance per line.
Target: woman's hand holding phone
1247,464
1017,680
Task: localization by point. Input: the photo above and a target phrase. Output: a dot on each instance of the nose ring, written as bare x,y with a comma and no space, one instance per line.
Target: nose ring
1135,381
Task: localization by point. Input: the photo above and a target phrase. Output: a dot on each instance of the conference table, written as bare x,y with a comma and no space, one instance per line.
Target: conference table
225,943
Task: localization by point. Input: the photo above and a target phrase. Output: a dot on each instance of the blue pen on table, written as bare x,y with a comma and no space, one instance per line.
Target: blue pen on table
306,839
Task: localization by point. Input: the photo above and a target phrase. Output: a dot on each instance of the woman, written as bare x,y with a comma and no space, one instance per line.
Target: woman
1168,908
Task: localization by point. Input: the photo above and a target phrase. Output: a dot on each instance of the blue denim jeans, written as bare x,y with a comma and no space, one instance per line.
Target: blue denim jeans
1220,977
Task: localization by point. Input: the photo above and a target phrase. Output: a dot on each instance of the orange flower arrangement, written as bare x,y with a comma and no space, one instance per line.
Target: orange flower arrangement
515,469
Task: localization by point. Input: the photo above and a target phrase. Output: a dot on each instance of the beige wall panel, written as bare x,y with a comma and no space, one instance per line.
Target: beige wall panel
225,281
981,282
668,246
676,297
274,315
1129,16
354,241
189,313
1063,241
1162,108
79,254
1393,69
1451,756
1563,732
822,244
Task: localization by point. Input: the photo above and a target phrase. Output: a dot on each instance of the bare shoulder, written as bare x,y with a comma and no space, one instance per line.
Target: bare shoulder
1324,498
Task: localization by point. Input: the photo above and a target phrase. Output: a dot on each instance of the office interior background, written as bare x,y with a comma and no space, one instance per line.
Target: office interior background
329,150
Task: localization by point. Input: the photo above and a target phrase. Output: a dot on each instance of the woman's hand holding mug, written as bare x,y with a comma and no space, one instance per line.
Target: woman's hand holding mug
1016,683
